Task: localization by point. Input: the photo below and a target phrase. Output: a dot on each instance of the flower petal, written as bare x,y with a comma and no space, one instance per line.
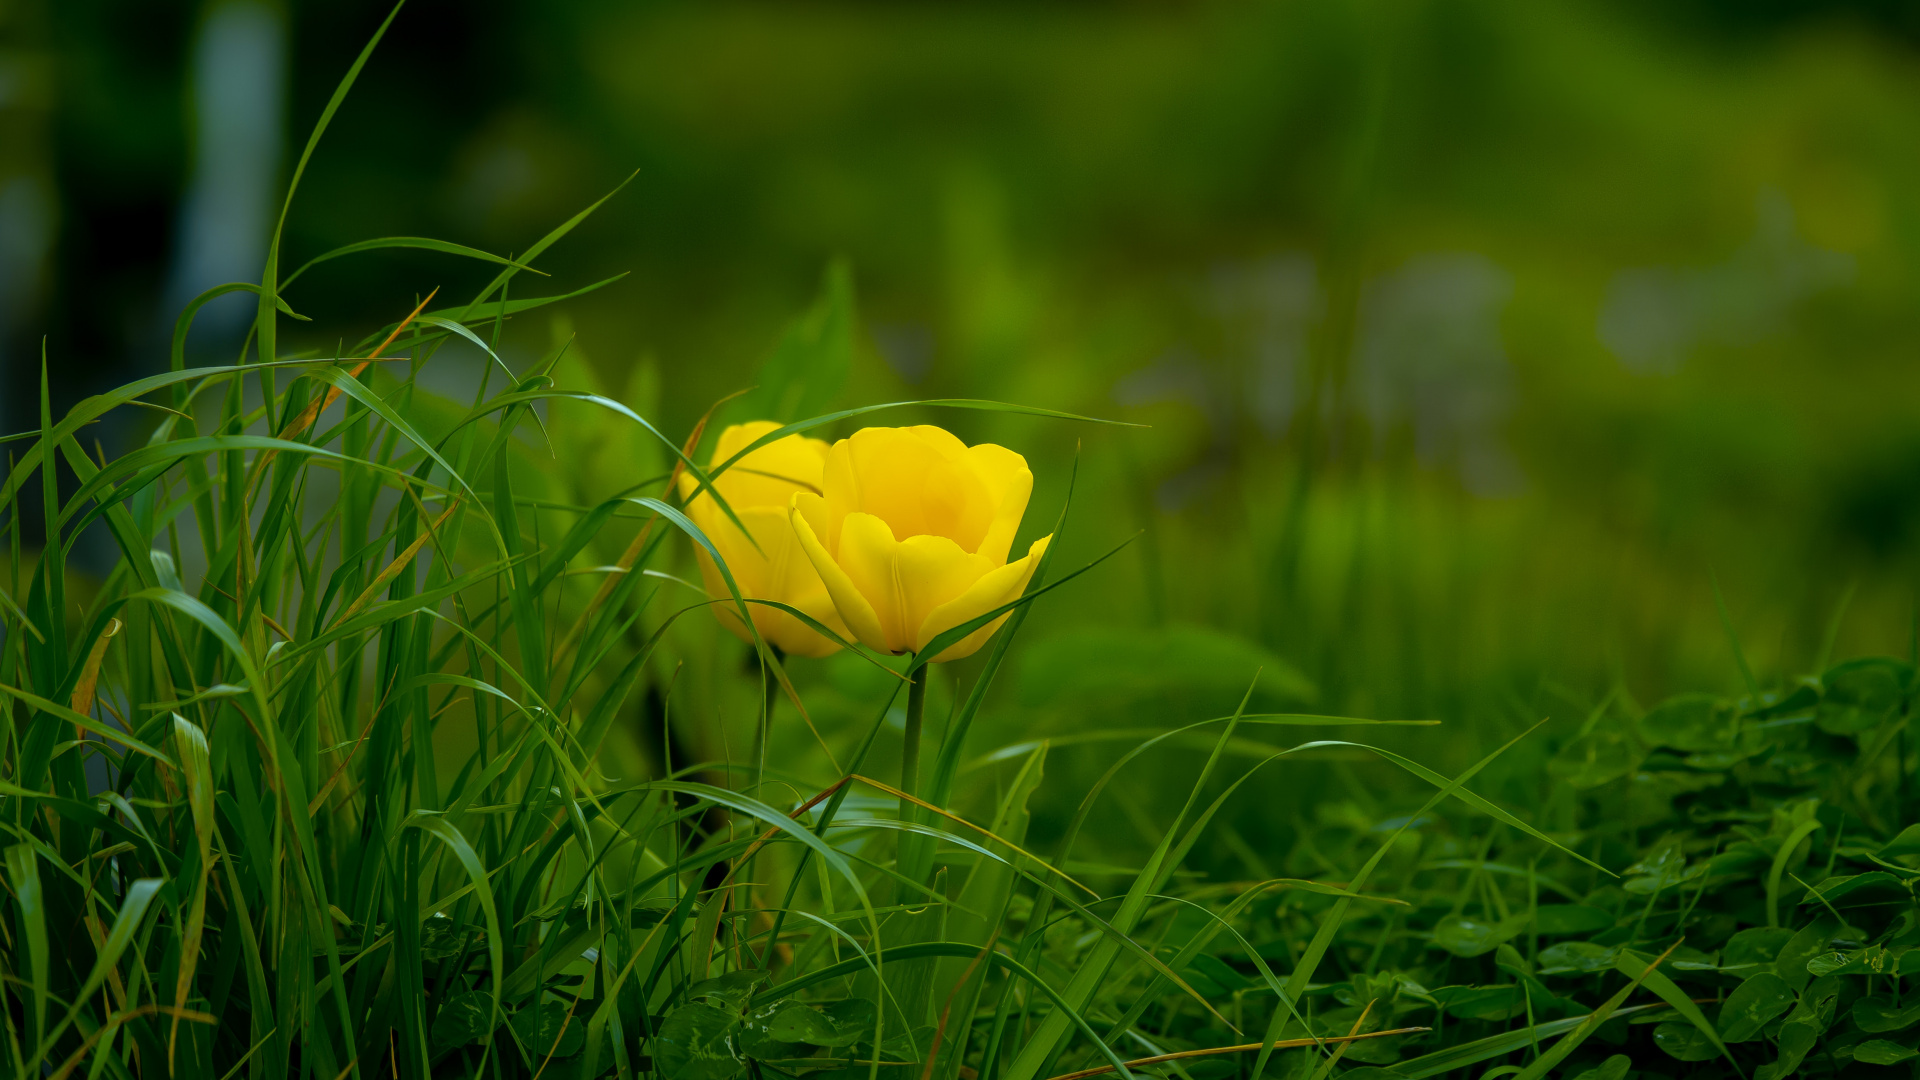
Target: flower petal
767,477
855,611
1009,484
868,556
995,588
931,571
917,480
724,612
792,580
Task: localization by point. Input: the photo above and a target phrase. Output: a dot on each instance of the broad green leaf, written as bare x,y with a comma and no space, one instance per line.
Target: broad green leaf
1880,1013
549,1030
1753,1004
1614,1068
1883,1052
464,1018
696,1042
1462,936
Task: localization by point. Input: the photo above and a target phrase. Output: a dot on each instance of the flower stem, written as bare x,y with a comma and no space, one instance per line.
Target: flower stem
910,751
915,854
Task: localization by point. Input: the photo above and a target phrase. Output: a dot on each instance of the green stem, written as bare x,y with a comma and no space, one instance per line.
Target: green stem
910,751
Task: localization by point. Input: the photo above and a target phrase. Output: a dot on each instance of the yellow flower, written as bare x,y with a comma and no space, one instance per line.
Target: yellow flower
910,534
760,488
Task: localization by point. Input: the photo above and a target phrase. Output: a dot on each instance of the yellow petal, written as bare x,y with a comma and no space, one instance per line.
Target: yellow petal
809,515
792,580
931,571
868,554
747,564
916,480
1009,484
766,477
993,589
725,611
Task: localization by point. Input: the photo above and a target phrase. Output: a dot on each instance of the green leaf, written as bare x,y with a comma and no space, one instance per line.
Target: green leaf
1812,940
1591,760
1462,936
696,1042
1689,722
1685,1042
1802,1029
1872,959
549,1030
797,1023
1481,1002
1878,1013
1872,887
1577,956
1860,695
1907,843
853,1018
734,987
1754,946
464,1018
1614,1068
1754,1004
1883,1052
1632,964
1663,869
1795,1039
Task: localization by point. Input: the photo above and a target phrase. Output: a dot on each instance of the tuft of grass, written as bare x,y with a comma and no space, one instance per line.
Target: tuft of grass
311,782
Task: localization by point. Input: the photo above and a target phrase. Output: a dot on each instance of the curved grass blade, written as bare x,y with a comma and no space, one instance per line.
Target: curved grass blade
443,830
422,243
132,911
1657,981
1542,1064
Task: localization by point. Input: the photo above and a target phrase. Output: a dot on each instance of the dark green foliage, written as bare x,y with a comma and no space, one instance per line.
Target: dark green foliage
1737,814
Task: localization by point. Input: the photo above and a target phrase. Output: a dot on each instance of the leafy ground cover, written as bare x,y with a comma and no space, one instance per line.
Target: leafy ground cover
330,773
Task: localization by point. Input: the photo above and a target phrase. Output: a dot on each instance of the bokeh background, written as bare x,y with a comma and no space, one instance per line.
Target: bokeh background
1477,340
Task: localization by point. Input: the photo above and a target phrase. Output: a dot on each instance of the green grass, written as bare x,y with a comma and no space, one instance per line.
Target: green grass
394,742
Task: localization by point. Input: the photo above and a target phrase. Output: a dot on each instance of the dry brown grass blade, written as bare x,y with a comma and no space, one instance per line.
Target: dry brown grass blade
73,1061
767,837
90,673
319,405
1283,1044
393,569
939,1031
294,428
1341,1050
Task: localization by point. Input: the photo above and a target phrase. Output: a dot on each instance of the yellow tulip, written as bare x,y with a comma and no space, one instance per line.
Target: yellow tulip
760,489
910,533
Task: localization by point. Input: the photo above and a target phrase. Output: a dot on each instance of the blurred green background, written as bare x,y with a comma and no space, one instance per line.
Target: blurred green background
1477,340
